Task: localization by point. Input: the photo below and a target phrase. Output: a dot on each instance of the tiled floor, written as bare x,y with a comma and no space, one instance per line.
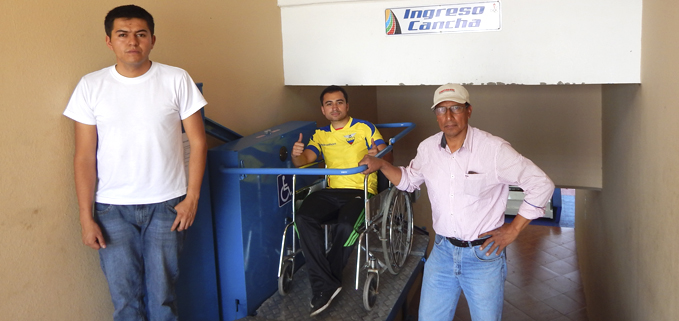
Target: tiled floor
543,280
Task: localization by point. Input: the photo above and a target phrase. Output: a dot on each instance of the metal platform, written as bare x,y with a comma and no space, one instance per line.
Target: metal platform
348,305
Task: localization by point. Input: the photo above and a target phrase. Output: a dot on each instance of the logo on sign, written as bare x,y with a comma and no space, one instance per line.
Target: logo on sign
284,189
391,23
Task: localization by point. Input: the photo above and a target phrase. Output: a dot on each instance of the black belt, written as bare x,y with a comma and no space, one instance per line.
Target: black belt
461,243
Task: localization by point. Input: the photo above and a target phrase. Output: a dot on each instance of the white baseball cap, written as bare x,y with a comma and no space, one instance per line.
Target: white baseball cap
451,92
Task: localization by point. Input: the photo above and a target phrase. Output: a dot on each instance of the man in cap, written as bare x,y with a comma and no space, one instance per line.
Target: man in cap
467,172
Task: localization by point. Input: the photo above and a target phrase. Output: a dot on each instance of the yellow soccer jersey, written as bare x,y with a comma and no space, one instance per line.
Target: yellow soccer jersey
344,148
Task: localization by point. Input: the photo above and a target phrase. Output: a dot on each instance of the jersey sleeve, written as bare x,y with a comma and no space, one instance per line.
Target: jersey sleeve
79,107
314,145
373,133
190,99
378,137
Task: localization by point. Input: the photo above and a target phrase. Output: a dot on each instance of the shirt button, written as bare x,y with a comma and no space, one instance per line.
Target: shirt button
452,176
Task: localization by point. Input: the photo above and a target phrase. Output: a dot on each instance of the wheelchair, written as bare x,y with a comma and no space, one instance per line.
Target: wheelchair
388,214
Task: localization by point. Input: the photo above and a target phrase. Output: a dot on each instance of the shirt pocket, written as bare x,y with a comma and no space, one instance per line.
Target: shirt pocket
475,184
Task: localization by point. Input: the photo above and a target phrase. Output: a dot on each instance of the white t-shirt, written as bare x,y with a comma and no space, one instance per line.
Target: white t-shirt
140,152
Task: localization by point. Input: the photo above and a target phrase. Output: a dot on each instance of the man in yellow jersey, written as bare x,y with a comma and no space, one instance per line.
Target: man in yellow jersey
342,144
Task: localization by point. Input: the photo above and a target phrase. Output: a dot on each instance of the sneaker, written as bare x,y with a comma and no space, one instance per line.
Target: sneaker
321,301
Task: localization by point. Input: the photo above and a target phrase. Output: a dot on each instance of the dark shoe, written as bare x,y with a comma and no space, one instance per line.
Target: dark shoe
321,301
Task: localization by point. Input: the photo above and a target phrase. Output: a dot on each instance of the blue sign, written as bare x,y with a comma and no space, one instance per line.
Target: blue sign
284,189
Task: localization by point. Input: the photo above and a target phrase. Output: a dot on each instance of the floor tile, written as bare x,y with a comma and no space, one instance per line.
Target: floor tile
561,267
562,284
570,245
543,274
546,244
574,276
560,252
544,257
577,295
573,260
563,304
520,299
521,279
541,311
580,315
541,290
511,313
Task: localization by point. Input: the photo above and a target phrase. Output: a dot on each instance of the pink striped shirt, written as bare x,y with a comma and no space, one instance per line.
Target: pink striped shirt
468,188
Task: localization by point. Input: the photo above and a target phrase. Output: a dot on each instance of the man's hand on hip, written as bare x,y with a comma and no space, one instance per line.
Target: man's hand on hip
501,237
505,234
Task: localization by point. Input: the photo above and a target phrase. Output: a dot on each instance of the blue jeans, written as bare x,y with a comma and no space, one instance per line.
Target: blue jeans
451,269
141,258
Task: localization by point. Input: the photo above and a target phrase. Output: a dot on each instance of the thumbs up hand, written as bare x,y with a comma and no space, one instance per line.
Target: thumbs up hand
373,148
298,147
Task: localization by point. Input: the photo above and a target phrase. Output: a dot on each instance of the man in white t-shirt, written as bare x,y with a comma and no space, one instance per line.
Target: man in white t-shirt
129,164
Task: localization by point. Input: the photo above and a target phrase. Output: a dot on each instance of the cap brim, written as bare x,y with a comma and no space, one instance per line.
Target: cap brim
461,101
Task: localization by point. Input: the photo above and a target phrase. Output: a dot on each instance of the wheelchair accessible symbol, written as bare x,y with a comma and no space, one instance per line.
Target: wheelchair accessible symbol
284,189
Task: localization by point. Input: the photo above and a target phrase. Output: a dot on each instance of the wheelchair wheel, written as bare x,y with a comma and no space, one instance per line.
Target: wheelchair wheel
370,290
397,229
285,280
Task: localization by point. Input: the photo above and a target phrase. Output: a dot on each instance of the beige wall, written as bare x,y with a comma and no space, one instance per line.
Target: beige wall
631,262
234,47
557,127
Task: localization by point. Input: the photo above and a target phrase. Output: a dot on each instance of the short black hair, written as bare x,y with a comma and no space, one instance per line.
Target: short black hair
334,89
127,12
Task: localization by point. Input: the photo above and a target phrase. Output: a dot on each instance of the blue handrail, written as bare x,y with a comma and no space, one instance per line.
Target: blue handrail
323,171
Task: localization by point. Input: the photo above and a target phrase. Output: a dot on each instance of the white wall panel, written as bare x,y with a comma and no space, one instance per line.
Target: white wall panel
541,42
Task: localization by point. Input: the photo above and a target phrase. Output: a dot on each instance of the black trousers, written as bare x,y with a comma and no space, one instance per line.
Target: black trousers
341,206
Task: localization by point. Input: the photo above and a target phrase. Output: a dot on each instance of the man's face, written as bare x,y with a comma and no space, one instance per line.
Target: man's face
335,107
452,124
131,41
